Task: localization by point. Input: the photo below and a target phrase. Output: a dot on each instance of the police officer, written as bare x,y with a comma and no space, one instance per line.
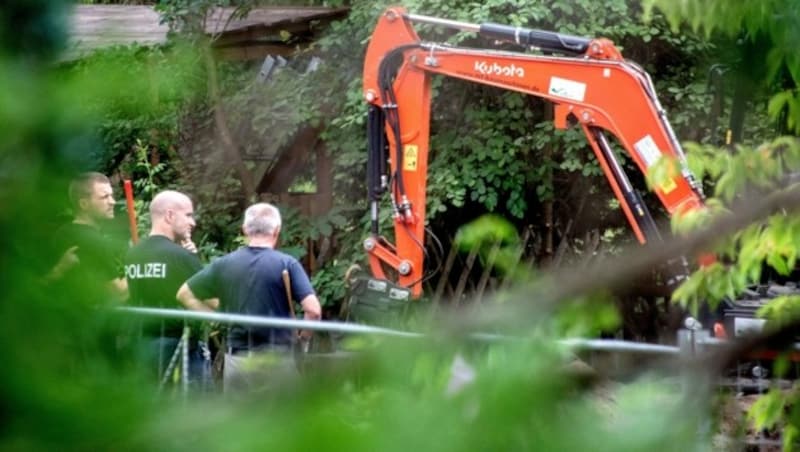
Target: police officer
156,267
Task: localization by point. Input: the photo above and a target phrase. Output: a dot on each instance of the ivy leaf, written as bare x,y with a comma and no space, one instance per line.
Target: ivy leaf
781,366
790,435
767,410
777,262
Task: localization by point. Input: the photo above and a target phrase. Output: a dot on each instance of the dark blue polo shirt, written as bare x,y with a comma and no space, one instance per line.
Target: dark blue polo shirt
249,281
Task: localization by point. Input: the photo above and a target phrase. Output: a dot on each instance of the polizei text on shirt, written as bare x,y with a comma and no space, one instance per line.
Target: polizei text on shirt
149,270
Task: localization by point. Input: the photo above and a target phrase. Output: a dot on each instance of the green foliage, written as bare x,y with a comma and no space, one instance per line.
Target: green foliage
58,381
68,369
766,34
711,16
394,407
781,311
693,99
773,242
588,317
788,101
708,285
495,239
768,410
145,188
329,283
158,83
491,148
771,25
480,131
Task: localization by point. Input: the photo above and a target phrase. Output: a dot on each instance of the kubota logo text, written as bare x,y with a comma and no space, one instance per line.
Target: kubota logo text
485,68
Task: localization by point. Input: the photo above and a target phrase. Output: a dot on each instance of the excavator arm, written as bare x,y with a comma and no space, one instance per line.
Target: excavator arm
587,80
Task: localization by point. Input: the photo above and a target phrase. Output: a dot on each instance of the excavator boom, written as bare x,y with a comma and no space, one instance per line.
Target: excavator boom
587,80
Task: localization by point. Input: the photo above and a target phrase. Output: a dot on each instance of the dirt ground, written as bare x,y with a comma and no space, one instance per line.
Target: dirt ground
736,433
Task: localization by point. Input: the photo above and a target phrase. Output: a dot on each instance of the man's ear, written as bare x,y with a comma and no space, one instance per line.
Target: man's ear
83,204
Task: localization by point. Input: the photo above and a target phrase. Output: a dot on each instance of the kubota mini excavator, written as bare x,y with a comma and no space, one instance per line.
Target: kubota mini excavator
589,82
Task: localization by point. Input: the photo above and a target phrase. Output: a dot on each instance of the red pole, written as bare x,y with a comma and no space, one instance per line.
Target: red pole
131,211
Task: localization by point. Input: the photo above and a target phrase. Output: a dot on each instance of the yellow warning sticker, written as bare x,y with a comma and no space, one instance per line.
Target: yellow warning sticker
667,186
410,153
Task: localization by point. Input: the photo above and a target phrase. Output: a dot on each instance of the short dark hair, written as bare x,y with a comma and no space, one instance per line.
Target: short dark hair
81,187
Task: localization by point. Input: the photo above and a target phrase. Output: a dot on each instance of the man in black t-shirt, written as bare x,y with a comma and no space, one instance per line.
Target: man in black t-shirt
249,281
156,267
89,267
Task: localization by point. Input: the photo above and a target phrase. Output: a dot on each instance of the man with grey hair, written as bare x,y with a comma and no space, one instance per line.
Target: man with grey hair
250,281
155,268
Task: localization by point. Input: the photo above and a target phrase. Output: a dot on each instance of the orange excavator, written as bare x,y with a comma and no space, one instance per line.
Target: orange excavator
589,82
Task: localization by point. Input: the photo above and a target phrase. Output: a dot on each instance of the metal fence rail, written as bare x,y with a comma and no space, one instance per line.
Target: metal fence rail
613,345
355,328
691,342
273,322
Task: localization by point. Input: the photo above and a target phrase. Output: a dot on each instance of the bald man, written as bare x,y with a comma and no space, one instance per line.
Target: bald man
157,266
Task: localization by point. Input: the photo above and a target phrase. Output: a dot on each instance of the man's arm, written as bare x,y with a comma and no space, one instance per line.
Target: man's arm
68,260
311,308
311,311
187,298
119,288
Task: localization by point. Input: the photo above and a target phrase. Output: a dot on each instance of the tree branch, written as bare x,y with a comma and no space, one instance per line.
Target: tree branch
544,295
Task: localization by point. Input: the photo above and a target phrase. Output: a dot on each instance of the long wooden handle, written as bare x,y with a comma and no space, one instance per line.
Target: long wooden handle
287,283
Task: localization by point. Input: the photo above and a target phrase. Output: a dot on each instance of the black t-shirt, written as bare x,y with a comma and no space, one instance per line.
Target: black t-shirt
99,255
155,269
249,281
